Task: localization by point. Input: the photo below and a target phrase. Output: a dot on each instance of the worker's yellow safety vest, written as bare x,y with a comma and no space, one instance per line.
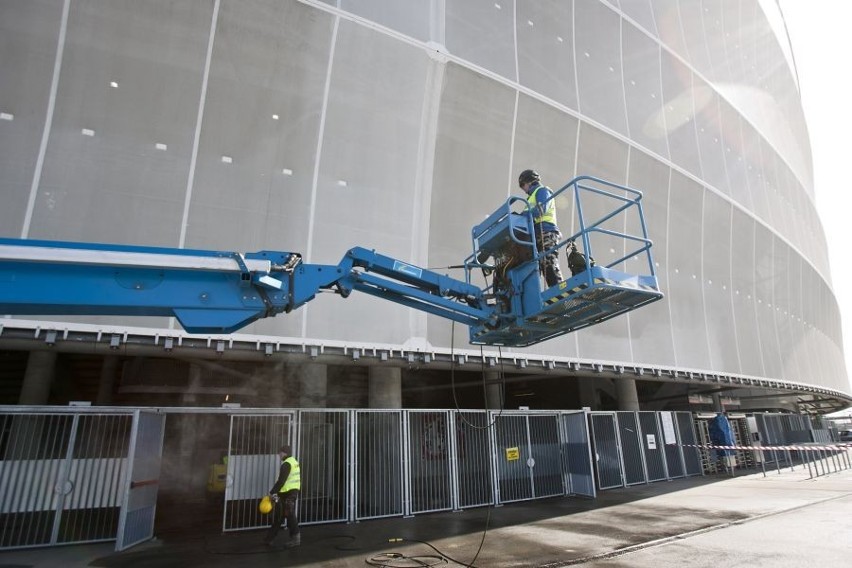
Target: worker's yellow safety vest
294,480
549,215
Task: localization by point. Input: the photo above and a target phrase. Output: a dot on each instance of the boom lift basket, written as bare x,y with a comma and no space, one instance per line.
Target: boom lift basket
529,313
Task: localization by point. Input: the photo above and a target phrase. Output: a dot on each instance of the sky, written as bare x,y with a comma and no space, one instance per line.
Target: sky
820,37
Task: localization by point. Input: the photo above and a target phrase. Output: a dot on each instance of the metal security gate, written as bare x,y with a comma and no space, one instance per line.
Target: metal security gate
671,445
61,476
545,450
607,450
429,457
688,443
577,455
473,458
527,456
253,465
771,433
136,523
633,459
379,481
652,446
324,457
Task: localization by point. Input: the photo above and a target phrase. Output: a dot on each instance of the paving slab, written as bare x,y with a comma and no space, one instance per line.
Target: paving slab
782,519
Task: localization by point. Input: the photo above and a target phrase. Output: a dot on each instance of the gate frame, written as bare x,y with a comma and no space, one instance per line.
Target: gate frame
137,428
292,440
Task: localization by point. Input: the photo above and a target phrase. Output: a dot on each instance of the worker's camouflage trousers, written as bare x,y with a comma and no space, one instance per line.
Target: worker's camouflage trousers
549,265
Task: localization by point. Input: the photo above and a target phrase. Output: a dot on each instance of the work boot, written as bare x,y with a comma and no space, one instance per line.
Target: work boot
294,541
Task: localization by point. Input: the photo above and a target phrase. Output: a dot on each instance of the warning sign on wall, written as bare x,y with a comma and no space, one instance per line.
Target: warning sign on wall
512,454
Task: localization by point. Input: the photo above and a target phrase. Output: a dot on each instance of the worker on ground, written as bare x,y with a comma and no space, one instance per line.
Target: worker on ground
540,201
284,494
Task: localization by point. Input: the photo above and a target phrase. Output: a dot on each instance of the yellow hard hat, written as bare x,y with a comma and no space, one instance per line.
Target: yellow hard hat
265,505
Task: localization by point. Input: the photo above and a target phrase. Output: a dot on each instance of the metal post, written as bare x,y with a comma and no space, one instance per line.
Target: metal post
808,462
64,486
452,439
405,438
495,479
352,465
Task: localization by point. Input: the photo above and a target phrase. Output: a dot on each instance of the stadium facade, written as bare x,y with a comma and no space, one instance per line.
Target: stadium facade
317,126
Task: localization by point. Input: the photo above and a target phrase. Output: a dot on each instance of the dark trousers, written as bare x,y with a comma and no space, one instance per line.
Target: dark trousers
549,265
285,508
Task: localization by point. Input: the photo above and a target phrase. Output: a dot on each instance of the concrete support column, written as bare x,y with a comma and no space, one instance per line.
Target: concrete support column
38,377
586,392
313,385
385,387
628,398
190,398
106,384
717,403
493,391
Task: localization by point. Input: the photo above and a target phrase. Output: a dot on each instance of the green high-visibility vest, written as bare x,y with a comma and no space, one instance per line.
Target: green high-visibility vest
294,480
549,215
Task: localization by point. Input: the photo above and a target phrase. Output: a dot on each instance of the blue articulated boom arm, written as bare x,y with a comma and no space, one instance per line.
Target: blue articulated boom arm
221,292
210,291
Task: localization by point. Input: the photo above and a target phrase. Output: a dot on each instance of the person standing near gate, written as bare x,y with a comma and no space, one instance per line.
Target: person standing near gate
284,494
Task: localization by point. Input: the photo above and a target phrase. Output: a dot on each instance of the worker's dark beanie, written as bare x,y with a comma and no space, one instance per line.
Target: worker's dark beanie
286,450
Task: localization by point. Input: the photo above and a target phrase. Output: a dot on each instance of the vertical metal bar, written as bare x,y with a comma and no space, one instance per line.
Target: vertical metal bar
530,459
128,476
662,445
406,462
352,463
642,458
229,473
64,480
452,440
492,440
618,446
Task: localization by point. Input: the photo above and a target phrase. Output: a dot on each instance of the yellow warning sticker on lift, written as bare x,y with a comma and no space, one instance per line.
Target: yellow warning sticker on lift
512,454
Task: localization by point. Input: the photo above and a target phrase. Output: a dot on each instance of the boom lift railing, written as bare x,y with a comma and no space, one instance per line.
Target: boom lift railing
593,295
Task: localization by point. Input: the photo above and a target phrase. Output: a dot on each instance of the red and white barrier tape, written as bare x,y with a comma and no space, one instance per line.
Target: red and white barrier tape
833,447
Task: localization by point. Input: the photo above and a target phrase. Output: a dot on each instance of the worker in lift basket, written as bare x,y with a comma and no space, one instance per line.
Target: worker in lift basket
540,201
284,494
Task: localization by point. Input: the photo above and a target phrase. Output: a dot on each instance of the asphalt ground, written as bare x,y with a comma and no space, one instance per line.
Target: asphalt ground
783,519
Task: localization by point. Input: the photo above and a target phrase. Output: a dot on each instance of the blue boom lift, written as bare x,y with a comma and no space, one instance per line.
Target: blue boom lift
220,292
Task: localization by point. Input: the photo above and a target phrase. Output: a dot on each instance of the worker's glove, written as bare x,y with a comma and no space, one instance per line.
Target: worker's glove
274,497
